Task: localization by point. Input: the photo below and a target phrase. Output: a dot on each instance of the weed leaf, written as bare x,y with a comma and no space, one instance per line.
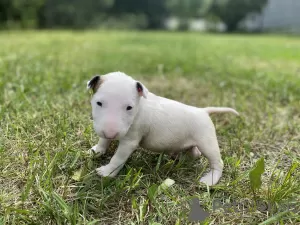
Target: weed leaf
255,174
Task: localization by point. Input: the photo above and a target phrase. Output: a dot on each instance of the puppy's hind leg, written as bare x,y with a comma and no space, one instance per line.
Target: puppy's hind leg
193,152
210,149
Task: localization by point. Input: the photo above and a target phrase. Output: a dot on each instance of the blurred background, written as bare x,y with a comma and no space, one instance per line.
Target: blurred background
200,15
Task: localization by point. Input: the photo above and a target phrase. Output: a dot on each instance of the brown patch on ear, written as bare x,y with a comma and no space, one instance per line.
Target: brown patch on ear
95,83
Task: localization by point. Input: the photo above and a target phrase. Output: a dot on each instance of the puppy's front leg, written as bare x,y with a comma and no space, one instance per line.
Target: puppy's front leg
125,149
102,146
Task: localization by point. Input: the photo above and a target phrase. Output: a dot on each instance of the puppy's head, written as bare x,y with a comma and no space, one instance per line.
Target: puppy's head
115,102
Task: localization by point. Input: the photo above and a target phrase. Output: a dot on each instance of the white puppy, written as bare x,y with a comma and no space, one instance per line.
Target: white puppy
123,109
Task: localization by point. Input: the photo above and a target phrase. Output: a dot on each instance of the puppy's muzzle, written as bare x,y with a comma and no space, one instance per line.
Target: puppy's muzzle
110,135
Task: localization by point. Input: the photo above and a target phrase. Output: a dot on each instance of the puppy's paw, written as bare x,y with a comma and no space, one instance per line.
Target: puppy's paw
211,178
106,171
207,180
96,149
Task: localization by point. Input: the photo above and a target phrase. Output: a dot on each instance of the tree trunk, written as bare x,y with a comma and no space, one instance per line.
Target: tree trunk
183,24
154,24
231,27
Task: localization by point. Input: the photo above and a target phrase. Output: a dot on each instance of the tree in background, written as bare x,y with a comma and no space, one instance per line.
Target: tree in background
72,13
185,10
6,12
19,13
138,14
155,11
232,12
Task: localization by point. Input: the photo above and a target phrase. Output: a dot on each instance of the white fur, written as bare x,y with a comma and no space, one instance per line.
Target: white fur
154,123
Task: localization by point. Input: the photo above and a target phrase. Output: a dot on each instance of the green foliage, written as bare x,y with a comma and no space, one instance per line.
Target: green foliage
255,174
275,218
74,13
82,14
155,11
117,13
184,10
232,12
23,12
188,8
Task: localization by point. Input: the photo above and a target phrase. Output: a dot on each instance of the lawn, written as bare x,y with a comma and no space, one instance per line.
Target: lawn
47,175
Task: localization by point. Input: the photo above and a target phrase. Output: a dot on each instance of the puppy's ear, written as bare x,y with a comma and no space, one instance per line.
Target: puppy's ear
94,83
141,89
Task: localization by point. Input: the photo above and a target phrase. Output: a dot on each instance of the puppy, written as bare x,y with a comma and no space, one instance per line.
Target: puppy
123,109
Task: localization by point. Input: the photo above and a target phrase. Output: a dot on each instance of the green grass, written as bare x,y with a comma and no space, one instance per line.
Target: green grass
47,175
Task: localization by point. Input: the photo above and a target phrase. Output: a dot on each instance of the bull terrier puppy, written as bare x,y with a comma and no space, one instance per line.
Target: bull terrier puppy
123,109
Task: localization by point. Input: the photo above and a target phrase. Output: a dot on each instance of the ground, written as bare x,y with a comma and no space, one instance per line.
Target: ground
48,175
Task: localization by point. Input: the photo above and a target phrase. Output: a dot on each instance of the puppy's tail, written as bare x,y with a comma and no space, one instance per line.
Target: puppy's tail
211,110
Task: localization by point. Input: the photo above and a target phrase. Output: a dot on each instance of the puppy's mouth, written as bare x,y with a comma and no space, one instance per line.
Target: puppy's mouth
110,137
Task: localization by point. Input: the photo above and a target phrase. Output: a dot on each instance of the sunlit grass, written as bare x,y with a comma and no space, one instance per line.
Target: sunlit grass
47,175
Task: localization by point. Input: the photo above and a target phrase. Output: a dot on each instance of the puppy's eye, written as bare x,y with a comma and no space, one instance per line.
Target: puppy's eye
99,103
129,108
